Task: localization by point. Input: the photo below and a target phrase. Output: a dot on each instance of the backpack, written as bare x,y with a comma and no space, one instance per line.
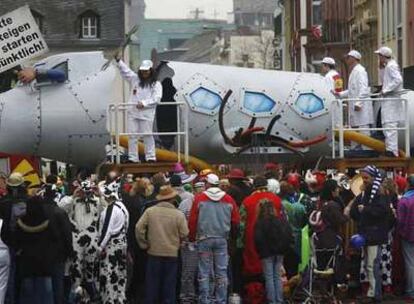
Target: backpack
285,236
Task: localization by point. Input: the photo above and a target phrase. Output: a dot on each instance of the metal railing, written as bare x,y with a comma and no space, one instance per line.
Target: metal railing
114,128
338,125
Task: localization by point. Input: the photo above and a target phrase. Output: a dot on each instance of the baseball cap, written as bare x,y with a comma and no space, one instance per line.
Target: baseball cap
384,51
355,54
329,60
213,179
146,65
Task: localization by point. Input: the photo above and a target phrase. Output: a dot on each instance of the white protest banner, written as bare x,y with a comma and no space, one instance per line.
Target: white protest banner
20,38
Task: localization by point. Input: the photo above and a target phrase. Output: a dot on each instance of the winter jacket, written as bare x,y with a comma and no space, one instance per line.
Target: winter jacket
332,218
61,223
36,239
405,216
248,214
271,238
372,221
11,208
161,229
213,214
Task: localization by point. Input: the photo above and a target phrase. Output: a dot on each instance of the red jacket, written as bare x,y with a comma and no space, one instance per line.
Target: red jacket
251,260
212,214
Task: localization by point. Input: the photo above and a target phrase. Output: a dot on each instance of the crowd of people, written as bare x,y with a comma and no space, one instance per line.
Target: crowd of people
202,237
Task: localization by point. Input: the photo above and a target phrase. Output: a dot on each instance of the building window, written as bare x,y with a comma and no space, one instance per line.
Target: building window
89,25
384,19
317,12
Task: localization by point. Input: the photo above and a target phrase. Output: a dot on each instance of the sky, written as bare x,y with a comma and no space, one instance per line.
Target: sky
215,9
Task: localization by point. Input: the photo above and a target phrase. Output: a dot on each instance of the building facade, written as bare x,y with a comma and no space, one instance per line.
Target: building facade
364,35
170,34
76,25
254,14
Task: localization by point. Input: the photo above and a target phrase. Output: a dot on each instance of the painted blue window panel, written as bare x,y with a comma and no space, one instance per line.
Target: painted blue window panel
309,103
257,102
205,99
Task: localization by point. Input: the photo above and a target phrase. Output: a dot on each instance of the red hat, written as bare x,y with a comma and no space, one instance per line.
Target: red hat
271,166
293,179
401,182
320,179
236,174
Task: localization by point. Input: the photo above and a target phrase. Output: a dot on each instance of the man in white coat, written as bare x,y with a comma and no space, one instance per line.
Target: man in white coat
146,92
361,113
332,78
334,83
391,110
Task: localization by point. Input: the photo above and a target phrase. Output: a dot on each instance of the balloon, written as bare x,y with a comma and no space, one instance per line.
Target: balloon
358,241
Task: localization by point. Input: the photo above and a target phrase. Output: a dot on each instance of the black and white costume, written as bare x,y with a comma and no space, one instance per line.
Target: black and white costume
84,214
113,248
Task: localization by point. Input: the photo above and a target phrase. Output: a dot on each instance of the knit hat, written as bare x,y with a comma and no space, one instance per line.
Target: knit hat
376,174
185,178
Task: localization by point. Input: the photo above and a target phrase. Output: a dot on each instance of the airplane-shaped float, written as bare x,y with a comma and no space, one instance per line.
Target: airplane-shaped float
233,111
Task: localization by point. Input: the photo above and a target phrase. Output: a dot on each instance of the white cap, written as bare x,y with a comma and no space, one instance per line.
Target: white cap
384,51
329,60
355,54
146,65
213,179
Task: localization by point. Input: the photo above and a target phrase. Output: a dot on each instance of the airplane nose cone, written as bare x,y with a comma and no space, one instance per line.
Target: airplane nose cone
20,121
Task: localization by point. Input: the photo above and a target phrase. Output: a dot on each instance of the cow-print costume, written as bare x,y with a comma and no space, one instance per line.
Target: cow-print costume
84,214
113,245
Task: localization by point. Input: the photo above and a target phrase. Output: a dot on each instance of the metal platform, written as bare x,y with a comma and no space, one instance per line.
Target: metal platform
138,168
341,164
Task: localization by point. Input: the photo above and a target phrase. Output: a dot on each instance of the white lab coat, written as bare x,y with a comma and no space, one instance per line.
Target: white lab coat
149,96
141,120
358,88
329,79
392,84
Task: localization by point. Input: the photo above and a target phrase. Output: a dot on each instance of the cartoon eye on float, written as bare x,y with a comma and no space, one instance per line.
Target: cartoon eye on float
309,105
256,104
205,101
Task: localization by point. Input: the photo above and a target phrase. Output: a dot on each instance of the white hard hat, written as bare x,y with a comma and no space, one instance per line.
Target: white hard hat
355,54
146,65
329,60
384,51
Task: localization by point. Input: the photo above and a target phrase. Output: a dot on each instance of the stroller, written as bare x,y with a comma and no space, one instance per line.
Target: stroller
322,273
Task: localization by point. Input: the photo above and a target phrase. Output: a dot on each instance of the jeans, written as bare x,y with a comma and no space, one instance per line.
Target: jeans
58,277
4,272
373,259
212,254
272,268
161,279
13,280
36,290
408,253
